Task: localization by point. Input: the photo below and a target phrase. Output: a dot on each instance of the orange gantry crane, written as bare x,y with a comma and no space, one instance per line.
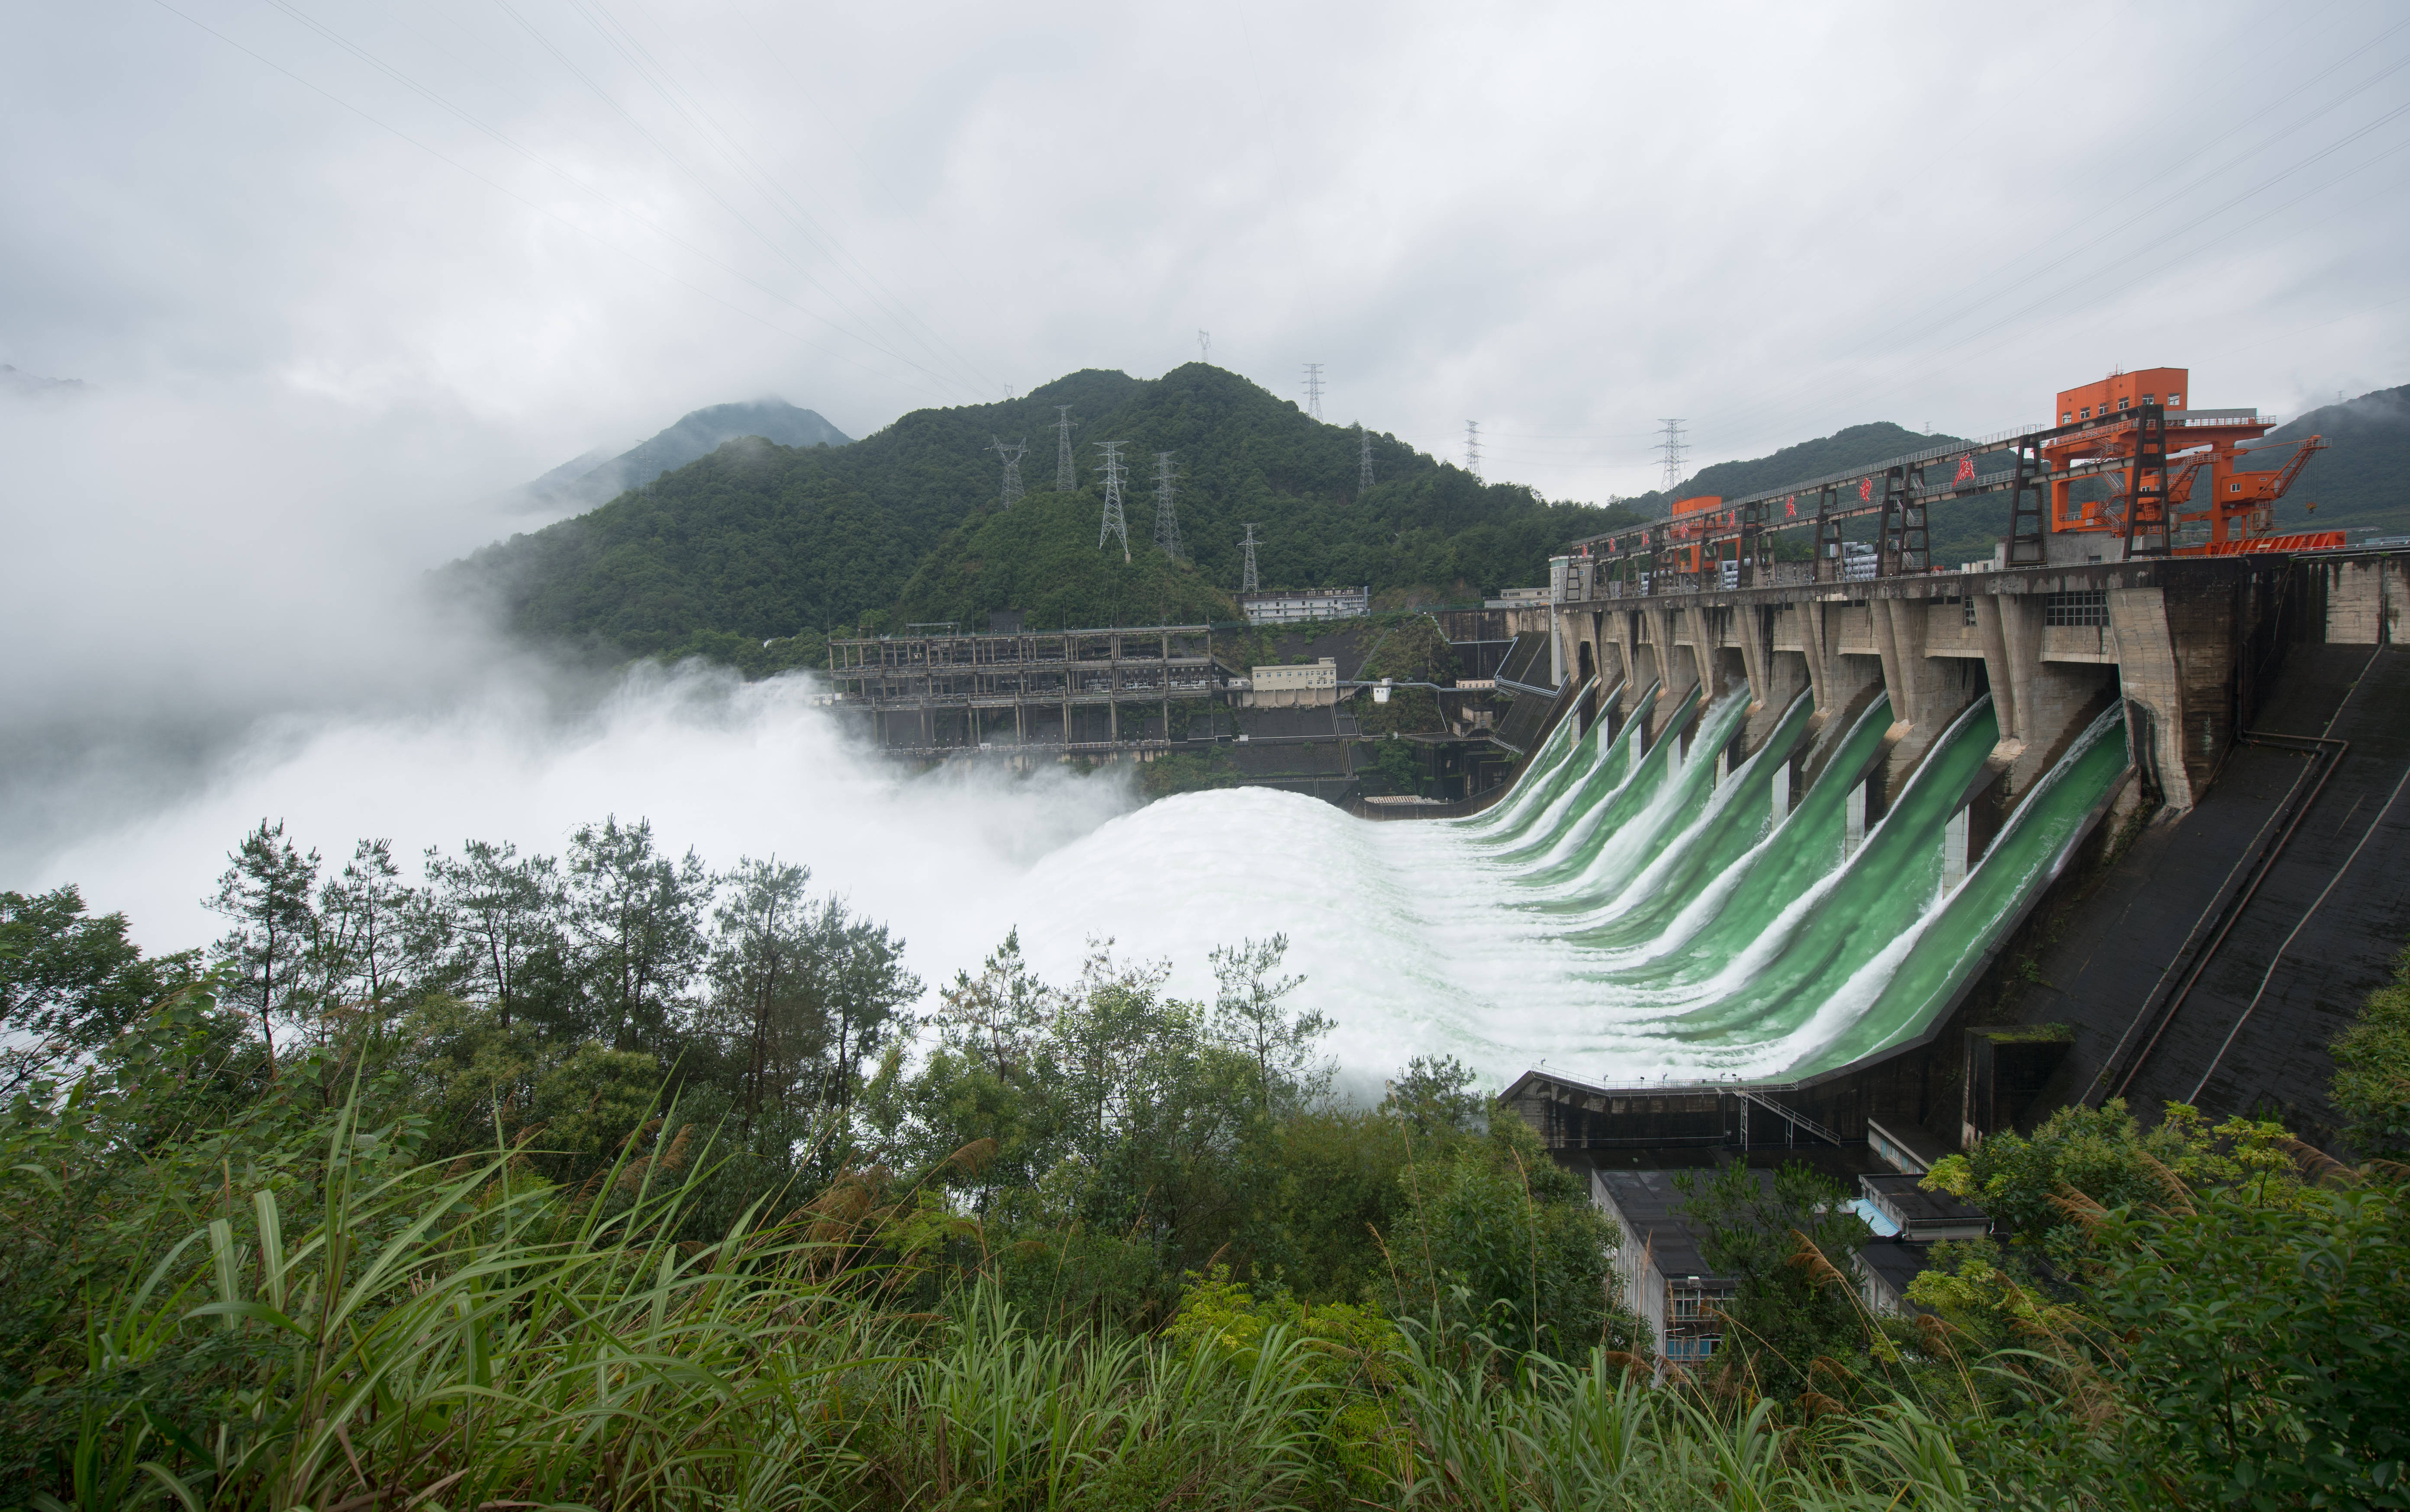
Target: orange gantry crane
2127,458
2136,430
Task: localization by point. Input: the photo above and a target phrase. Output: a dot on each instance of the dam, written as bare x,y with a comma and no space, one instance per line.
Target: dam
2097,755
1786,831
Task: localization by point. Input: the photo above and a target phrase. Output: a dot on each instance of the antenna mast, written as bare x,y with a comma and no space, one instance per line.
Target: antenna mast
1012,455
1674,450
1064,480
1114,525
1314,389
1247,573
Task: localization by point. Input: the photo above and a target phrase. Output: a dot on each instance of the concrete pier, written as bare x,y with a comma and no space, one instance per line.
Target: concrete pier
2050,645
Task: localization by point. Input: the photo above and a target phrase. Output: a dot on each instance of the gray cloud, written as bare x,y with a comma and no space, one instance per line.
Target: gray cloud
1563,221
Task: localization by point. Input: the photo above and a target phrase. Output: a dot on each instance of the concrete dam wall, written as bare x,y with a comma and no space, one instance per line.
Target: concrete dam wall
2146,779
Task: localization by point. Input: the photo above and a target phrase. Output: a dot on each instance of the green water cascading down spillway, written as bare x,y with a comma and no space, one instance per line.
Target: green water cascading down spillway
1699,930
1628,909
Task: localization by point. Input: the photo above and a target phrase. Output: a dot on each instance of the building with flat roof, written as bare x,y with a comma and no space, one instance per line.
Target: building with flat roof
1922,1216
1666,1281
1297,605
1316,684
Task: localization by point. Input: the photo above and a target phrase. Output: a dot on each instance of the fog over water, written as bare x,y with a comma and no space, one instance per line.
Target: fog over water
219,615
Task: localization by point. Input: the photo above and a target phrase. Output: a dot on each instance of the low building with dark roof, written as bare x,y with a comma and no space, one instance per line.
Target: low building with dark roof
1922,1216
1665,1279
1884,1269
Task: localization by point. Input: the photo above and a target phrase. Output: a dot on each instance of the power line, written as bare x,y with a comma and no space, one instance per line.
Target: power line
1065,480
1473,448
1012,455
1114,525
1167,524
1247,573
1674,450
1314,389
1971,302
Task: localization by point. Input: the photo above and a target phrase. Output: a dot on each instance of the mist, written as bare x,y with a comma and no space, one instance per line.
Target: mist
222,611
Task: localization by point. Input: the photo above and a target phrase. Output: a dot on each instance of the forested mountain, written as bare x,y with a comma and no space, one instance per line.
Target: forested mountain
598,477
759,541
1424,529
762,542
16,384
1856,446
2361,481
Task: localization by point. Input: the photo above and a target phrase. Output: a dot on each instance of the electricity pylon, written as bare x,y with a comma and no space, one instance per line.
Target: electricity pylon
1247,573
1364,439
1473,448
1012,455
1673,449
1167,524
1064,480
1314,389
1114,525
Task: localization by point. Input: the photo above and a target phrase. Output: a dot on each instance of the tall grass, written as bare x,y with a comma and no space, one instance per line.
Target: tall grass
472,1337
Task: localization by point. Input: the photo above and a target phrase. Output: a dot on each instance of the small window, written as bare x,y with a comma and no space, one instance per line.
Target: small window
2148,399
1970,611
2122,403
2067,419
2175,401
2084,414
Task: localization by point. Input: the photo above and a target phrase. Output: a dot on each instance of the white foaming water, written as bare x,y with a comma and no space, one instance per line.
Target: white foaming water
726,767
1413,938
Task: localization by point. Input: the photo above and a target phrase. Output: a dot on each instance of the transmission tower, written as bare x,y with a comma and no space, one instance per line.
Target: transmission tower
1115,525
1012,455
1674,450
1473,448
1205,347
1247,573
1314,389
1364,440
1064,480
1167,524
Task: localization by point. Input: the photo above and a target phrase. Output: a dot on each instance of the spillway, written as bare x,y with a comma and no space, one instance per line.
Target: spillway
1629,908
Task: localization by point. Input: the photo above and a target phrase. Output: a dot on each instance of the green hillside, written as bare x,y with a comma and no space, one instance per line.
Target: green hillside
1960,531
761,542
1425,528
2361,481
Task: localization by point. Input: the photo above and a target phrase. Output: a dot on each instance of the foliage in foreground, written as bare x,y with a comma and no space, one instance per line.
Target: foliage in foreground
1098,1246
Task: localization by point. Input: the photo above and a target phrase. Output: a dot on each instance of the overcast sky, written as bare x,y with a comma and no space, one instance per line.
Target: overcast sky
497,234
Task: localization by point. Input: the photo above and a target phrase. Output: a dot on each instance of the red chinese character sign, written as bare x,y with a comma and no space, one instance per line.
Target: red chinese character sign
1966,472
1865,489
